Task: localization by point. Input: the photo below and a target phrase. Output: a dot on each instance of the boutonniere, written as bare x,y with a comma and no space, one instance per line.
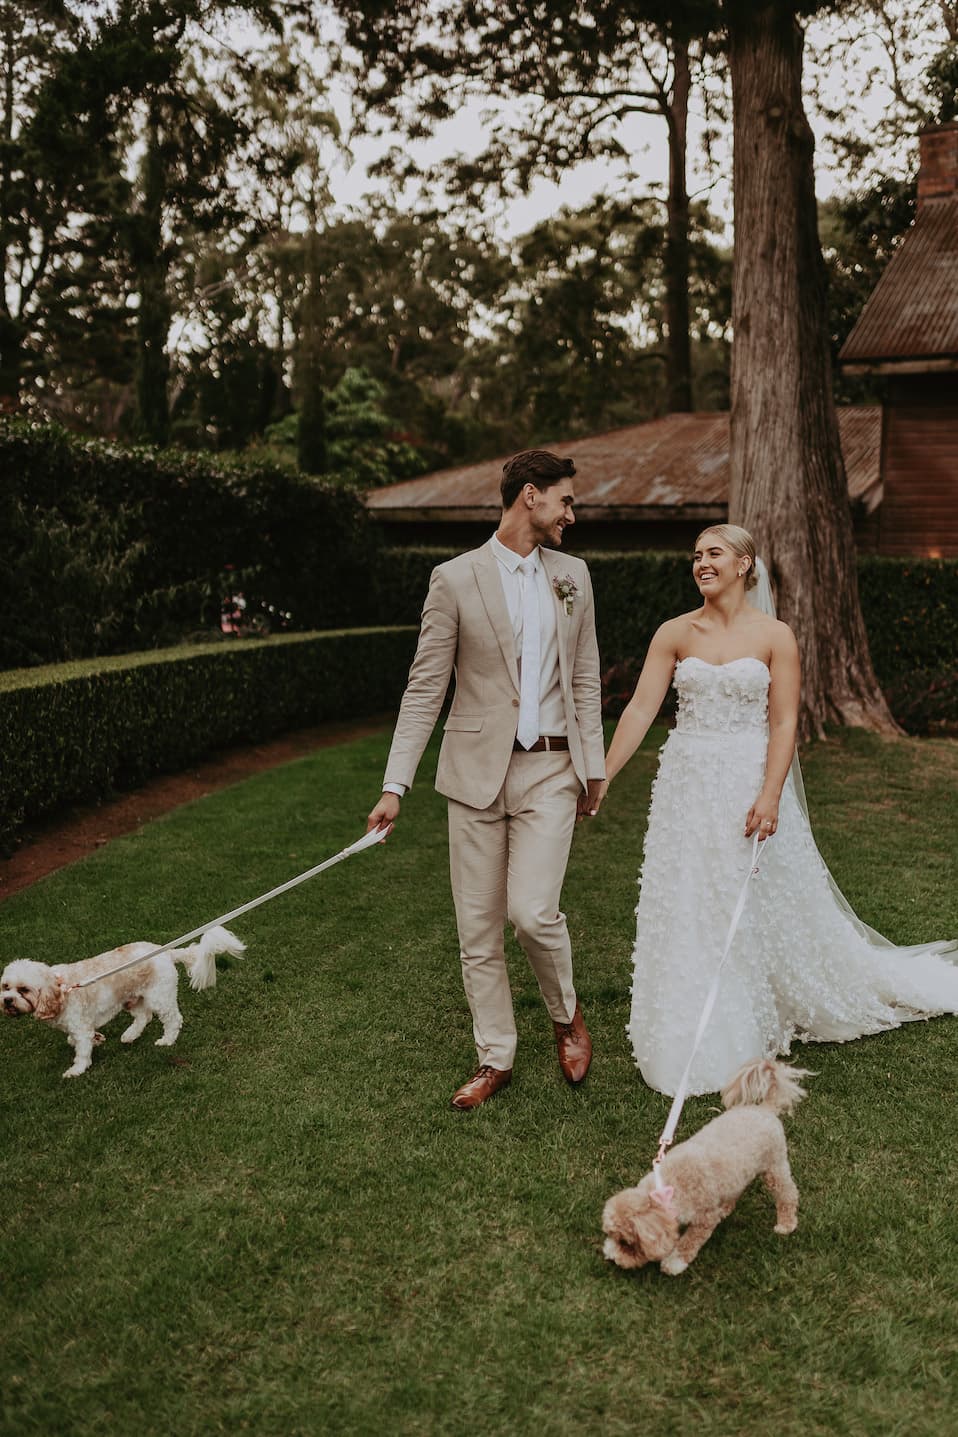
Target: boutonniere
567,590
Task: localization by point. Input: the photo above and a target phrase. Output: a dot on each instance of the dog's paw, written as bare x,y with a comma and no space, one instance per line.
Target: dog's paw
673,1265
76,1070
165,1042
784,1228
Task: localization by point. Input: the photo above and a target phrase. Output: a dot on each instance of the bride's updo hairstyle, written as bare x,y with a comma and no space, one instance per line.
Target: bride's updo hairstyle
740,542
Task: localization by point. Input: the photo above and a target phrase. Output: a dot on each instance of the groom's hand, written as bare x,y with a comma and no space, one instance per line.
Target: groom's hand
590,799
385,813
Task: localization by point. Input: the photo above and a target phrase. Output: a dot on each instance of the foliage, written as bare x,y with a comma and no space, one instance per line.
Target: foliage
78,731
860,232
879,71
357,431
925,701
157,537
163,184
57,178
285,1214
140,142
911,612
581,341
567,80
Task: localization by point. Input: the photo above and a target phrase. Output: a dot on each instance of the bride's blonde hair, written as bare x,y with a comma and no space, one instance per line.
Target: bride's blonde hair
740,542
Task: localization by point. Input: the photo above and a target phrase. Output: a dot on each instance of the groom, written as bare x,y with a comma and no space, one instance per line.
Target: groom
521,758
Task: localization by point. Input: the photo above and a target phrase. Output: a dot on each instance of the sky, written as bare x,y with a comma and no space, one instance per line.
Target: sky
843,87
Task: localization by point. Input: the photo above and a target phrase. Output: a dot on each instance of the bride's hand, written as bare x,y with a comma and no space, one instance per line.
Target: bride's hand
763,815
590,799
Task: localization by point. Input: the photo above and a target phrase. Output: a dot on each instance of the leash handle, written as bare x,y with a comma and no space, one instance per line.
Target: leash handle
376,835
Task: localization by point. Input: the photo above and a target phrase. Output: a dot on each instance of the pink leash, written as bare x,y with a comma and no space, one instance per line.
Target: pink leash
663,1193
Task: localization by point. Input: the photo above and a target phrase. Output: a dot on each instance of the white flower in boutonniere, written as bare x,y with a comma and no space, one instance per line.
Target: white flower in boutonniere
567,590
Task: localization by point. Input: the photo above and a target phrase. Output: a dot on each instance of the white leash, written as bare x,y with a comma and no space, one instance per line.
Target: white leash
681,1092
376,835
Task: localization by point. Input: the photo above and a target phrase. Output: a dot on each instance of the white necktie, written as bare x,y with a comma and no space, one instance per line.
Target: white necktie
528,730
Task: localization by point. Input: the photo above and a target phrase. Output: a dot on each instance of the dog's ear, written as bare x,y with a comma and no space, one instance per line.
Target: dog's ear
50,999
656,1231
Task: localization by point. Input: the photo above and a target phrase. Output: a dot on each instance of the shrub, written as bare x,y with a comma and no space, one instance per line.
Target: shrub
78,731
925,701
104,548
911,613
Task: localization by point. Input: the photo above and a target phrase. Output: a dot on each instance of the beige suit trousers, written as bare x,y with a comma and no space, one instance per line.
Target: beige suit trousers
507,862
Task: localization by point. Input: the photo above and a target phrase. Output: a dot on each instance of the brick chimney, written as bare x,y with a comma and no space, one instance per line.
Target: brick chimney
938,170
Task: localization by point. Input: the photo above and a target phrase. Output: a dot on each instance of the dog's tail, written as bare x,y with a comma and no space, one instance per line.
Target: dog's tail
773,1085
200,960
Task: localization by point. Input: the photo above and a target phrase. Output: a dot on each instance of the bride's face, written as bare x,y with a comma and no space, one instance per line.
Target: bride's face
715,566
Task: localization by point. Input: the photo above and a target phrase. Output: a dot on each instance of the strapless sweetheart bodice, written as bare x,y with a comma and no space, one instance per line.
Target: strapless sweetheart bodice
722,698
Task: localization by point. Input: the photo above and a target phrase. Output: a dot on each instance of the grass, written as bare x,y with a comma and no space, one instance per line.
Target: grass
280,1227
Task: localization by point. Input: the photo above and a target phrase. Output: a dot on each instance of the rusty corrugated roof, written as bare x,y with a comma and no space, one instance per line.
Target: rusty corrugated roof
675,467
912,313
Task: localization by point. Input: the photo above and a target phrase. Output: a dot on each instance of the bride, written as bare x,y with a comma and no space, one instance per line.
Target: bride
802,965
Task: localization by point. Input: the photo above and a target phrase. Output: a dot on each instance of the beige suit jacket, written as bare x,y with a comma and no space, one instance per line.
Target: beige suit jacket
466,628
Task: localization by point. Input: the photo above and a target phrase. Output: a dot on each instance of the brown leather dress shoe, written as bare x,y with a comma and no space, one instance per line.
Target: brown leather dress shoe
575,1047
486,1082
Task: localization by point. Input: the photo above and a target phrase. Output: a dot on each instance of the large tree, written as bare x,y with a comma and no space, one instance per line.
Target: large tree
787,481
134,137
788,484
55,177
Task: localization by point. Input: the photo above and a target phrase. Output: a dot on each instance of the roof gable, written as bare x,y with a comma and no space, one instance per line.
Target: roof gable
677,465
912,313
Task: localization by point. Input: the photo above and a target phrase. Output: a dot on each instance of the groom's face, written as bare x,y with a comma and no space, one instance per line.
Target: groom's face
552,511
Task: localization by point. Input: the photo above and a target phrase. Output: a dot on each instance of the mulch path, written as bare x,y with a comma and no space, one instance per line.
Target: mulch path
76,831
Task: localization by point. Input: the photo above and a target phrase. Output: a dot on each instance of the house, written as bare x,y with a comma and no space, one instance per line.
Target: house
646,486
908,333
656,485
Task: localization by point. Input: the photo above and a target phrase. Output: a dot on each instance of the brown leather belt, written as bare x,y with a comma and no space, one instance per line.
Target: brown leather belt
544,744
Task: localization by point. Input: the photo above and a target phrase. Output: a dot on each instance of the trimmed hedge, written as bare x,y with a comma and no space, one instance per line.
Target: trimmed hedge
910,608
105,548
79,731
911,613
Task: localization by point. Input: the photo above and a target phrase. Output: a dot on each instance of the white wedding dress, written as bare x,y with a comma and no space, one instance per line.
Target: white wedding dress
801,964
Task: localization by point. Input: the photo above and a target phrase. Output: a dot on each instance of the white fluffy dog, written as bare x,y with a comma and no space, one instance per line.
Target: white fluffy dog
705,1176
146,990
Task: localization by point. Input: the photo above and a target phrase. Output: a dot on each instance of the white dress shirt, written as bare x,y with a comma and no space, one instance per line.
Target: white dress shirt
551,708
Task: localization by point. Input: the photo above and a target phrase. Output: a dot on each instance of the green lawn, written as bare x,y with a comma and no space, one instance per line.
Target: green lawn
280,1227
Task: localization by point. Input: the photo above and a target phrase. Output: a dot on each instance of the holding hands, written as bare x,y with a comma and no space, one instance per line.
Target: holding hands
590,799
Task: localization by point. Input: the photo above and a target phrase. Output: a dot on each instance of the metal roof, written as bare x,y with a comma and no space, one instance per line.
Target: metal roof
912,313
674,467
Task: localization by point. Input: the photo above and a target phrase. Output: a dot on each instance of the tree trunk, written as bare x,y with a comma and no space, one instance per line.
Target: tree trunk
11,363
153,315
678,348
11,330
311,441
788,485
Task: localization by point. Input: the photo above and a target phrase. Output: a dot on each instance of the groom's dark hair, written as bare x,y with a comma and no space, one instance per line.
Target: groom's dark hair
532,466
